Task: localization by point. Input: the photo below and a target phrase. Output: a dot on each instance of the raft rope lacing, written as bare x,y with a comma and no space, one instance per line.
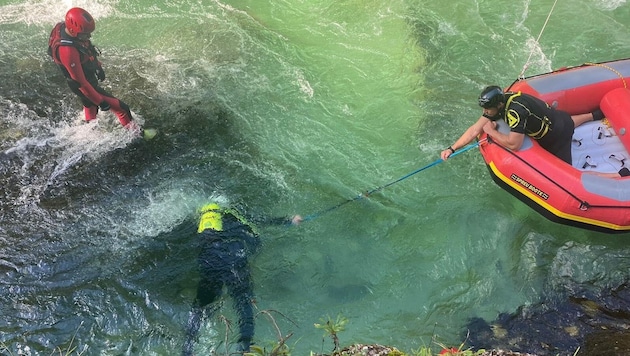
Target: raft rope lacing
521,76
623,80
584,205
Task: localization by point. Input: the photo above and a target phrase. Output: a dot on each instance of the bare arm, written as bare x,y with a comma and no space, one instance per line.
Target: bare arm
623,172
512,140
467,137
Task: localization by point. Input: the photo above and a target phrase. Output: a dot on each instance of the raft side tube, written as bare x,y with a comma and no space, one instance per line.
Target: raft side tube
615,189
616,108
575,93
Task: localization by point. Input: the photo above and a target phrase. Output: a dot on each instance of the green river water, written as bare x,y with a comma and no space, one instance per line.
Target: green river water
282,107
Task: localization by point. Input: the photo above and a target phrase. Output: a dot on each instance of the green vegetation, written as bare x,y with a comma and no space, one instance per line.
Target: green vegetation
332,328
280,347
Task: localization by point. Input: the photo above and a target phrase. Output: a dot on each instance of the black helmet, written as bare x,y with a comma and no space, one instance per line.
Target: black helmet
491,97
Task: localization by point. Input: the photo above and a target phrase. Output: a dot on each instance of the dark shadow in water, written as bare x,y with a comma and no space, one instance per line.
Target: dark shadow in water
166,265
191,140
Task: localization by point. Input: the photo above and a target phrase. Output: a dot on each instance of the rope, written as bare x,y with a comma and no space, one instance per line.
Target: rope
368,193
623,80
537,40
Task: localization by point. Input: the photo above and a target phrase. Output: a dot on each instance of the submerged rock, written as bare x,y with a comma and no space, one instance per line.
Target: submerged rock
593,324
606,343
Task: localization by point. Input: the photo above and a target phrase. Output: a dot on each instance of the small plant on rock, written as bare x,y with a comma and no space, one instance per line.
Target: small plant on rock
332,328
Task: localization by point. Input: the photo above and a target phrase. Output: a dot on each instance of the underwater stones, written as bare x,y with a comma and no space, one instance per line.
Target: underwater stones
596,323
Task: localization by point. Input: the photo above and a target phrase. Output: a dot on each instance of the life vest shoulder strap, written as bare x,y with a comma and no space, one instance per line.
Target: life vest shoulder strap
511,97
545,123
58,38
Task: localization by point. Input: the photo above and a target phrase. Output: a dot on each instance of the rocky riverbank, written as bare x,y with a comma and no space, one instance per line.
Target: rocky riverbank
380,350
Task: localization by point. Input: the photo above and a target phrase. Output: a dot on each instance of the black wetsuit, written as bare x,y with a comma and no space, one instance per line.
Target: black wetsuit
224,262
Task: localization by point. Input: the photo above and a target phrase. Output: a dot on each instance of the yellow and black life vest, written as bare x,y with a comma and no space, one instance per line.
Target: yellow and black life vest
513,119
212,218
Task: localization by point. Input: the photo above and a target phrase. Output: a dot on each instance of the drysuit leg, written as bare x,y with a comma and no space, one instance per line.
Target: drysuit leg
241,291
207,292
118,107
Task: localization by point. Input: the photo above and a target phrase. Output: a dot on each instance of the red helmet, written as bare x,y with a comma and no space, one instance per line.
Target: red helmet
79,21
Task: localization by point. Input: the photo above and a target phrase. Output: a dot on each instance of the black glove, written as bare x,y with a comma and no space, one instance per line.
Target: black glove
597,115
100,73
104,105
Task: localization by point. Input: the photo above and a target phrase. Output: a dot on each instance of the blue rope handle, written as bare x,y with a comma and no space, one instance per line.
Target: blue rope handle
368,193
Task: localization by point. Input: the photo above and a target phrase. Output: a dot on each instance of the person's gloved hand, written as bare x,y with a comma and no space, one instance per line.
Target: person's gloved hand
100,73
597,114
296,219
104,106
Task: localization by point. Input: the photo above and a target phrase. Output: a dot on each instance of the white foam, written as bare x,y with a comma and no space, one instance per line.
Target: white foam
610,4
538,61
66,144
76,141
169,206
51,11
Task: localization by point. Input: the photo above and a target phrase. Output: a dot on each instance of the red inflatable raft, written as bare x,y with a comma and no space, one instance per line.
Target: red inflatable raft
574,194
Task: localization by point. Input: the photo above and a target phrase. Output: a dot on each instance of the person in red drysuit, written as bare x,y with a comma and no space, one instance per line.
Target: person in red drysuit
71,49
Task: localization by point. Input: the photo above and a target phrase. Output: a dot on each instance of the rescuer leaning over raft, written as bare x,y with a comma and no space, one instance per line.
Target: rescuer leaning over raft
525,115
